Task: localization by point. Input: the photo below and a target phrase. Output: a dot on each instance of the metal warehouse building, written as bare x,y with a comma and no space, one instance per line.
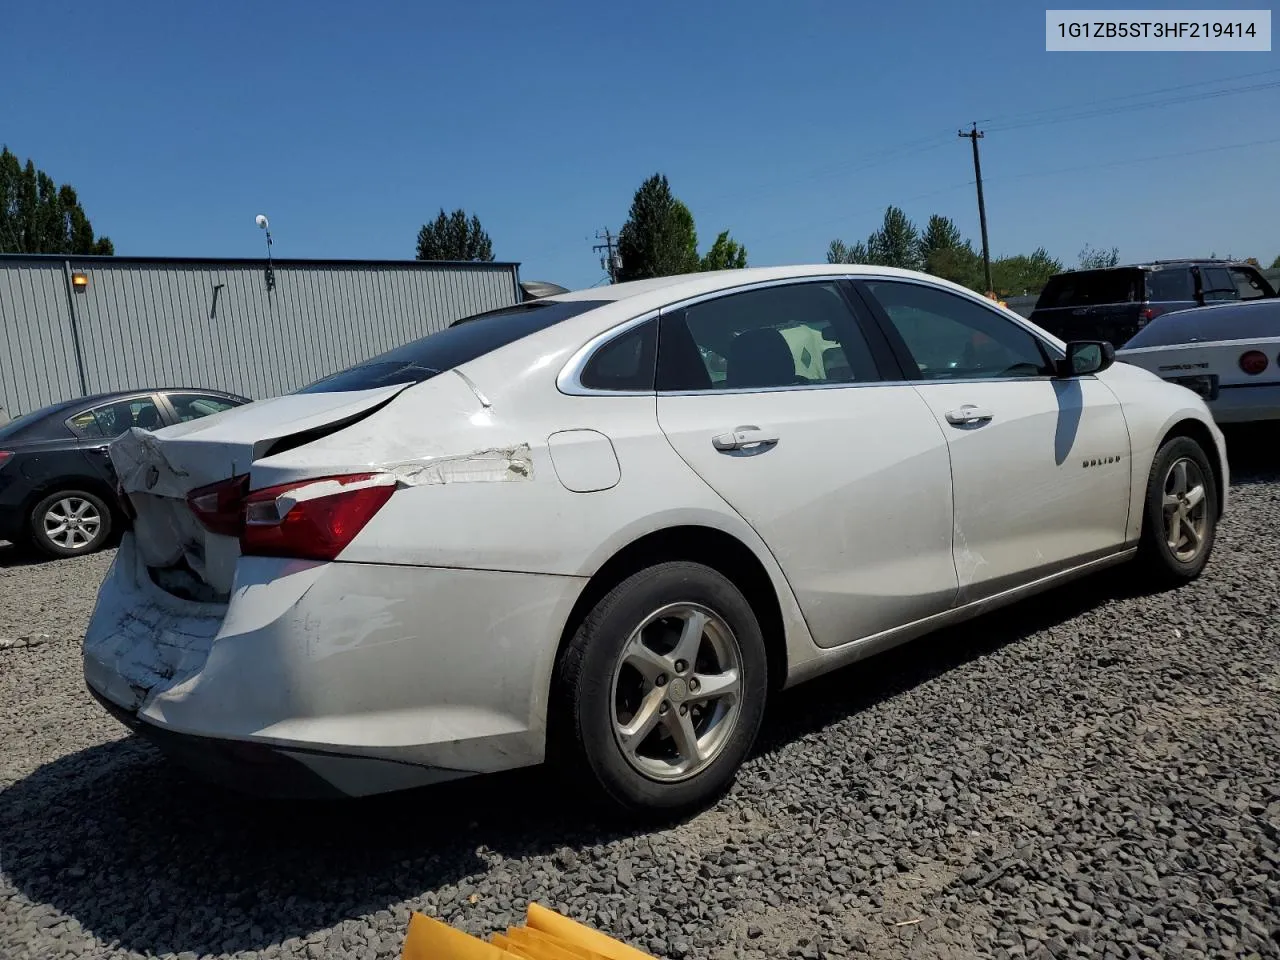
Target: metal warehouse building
73,326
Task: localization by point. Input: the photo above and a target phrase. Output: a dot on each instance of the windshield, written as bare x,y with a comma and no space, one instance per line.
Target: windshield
460,343
1243,321
1087,288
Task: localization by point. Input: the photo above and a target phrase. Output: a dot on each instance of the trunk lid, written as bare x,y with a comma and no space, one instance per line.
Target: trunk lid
157,471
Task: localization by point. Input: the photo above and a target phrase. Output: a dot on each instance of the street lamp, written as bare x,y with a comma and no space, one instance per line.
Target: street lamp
262,221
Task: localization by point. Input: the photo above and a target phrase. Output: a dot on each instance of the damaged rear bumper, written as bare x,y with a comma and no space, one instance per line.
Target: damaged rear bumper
332,679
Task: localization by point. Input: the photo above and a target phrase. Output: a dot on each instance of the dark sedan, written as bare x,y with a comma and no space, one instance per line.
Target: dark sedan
57,488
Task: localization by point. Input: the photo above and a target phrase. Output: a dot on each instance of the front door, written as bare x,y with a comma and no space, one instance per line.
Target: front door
1039,465
774,397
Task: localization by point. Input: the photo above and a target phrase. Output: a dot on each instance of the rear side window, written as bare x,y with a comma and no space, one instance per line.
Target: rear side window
1216,283
113,419
627,362
1167,286
464,341
1088,288
790,335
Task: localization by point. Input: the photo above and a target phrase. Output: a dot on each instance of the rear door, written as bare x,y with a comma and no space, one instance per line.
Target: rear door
1039,466
779,399
96,427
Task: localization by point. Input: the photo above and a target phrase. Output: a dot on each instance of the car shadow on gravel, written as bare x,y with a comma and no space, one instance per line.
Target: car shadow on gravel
147,857
142,854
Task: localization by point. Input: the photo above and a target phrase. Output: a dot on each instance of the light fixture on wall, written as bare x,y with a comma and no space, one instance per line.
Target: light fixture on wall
262,221
80,282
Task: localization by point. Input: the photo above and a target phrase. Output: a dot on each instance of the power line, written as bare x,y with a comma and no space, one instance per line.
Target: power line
1039,111
1151,159
1129,108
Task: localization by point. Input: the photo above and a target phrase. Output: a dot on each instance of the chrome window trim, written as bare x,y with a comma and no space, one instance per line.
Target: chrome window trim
569,382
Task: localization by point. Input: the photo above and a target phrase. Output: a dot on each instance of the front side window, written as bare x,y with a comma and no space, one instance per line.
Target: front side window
800,334
1217,284
950,337
627,362
193,406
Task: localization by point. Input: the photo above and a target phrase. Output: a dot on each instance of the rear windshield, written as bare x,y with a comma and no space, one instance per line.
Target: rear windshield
1243,321
464,341
20,424
1087,288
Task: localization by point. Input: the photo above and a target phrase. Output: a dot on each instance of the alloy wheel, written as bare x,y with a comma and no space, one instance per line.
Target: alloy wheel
676,692
72,523
1185,504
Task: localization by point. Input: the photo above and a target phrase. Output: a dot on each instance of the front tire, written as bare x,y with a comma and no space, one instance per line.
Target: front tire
661,690
69,523
1181,514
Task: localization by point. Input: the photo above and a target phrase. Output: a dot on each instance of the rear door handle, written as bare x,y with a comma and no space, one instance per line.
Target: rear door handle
967,414
742,437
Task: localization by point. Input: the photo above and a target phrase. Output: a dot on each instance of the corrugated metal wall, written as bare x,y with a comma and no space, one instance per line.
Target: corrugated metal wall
153,323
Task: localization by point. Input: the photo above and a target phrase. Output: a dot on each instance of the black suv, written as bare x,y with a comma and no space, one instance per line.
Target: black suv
1114,303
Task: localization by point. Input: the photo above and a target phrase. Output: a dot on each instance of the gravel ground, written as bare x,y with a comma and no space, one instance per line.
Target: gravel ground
1092,773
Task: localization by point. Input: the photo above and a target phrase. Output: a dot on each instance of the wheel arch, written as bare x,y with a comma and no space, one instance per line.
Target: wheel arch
65,483
722,552
1197,430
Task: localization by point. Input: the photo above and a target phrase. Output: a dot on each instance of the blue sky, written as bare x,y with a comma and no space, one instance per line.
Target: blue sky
349,124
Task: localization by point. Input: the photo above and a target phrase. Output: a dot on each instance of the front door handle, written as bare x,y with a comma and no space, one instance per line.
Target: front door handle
741,437
968,414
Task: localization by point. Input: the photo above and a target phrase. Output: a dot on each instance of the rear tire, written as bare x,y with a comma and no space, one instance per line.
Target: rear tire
69,523
660,693
1180,517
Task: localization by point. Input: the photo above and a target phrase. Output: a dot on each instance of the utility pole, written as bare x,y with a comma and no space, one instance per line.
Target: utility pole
610,262
974,136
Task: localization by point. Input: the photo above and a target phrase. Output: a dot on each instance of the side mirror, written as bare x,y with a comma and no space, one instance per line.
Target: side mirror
1085,357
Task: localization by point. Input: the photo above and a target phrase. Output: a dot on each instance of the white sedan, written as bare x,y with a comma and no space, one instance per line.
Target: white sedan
1229,353
601,528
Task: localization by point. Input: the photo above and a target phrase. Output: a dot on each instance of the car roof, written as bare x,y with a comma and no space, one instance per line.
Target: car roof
93,399
1158,264
661,290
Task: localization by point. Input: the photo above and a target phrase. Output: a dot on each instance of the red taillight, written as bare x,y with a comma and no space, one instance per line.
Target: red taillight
1148,314
5,455
1253,362
312,519
220,506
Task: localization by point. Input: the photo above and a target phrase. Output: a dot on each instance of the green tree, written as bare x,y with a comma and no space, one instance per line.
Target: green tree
38,216
837,252
1016,275
454,237
725,254
1091,259
960,264
941,233
897,242
1275,264
658,239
